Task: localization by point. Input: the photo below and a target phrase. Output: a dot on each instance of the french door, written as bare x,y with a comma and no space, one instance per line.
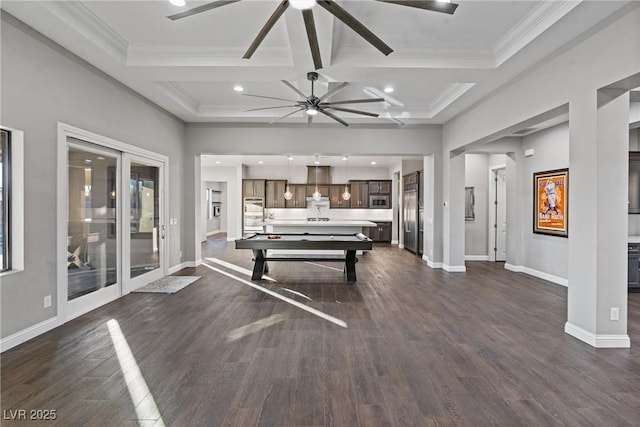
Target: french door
115,210
144,236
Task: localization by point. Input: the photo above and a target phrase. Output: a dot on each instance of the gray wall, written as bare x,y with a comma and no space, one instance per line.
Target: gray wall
42,84
543,253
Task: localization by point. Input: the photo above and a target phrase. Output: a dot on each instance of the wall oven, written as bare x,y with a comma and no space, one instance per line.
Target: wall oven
377,201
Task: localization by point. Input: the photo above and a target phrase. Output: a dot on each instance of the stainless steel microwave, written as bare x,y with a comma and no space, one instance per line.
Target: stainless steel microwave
377,201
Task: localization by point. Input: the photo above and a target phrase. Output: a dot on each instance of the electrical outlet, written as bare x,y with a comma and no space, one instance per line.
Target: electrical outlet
47,301
614,313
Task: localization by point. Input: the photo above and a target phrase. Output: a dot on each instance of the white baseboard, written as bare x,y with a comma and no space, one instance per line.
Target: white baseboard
431,263
28,333
476,257
454,268
178,267
539,274
394,242
597,340
400,246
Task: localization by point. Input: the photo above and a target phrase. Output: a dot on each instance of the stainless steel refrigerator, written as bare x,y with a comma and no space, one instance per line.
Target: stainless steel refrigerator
410,215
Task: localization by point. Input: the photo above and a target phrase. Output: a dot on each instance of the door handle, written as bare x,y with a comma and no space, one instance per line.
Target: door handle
162,233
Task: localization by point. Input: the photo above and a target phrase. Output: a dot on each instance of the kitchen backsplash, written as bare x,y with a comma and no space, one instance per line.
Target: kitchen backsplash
343,214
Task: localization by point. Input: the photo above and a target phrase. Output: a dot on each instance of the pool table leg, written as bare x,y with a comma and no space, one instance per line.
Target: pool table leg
260,266
350,265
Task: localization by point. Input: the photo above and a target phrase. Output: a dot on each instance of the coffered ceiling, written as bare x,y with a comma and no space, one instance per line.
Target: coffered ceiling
441,65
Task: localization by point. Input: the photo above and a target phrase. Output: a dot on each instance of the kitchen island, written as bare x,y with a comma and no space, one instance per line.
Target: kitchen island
316,226
313,226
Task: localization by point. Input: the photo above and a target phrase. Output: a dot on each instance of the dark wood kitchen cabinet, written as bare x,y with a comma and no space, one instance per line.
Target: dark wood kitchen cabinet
634,182
275,193
335,197
359,194
380,187
380,233
253,187
299,199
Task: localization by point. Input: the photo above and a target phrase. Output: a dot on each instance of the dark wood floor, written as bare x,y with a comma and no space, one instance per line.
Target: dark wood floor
422,347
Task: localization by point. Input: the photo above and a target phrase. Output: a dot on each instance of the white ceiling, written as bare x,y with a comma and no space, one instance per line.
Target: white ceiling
441,64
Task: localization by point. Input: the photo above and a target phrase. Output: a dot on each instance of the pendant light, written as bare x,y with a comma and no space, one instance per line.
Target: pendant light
346,195
316,195
288,195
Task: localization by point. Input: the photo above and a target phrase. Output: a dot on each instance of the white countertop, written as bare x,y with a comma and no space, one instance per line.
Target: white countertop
330,223
634,239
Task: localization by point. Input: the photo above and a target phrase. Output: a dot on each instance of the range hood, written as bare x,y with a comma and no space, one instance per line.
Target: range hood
320,175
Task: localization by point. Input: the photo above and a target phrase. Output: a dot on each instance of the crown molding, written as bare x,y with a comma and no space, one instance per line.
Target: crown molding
151,55
532,26
178,95
452,92
77,16
427,57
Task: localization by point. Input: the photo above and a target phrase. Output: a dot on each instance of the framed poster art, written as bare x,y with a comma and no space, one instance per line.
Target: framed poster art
551,202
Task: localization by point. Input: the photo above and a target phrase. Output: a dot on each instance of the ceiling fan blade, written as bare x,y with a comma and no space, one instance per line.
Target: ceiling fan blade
269,108
337,11
436,6
348,110
267,27
309,23
336,118
286,115
295,89
269,97
334,91
200,9
352,101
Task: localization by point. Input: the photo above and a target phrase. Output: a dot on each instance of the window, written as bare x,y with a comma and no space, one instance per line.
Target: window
12,200
5,196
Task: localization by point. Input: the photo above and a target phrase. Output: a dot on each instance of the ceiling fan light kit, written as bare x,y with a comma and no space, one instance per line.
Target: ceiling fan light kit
306,7
313,105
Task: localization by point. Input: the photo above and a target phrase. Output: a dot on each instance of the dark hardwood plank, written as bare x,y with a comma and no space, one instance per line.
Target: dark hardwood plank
421,347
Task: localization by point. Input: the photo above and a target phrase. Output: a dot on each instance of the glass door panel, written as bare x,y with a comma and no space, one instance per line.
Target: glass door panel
145,219
92,224
144,253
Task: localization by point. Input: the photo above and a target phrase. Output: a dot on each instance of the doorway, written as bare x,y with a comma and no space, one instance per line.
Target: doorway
111,224
497,213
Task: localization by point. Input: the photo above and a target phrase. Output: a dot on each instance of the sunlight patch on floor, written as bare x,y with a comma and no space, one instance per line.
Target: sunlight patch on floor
141,397
256,326
324,266
306,308
237,268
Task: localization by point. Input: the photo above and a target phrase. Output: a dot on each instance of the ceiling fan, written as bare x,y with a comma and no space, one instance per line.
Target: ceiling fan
313,105
307,14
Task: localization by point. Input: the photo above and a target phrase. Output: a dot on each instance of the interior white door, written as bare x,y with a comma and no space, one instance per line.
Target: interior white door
501,215
144,254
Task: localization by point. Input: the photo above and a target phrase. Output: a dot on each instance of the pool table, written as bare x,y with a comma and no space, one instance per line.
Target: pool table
260,243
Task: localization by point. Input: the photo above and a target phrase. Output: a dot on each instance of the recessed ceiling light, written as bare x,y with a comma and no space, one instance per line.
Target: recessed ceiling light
290,157
344,158
238,88
317,162
388,89
177,2
260,162
217,162
302,4
373,163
